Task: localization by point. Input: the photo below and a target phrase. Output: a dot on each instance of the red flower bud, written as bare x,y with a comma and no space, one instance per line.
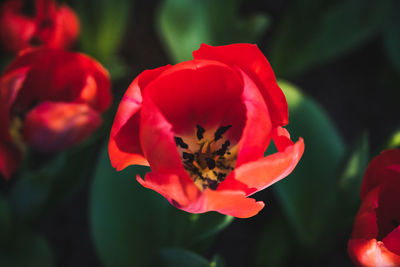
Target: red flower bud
203,126
376,234
52,26
50,100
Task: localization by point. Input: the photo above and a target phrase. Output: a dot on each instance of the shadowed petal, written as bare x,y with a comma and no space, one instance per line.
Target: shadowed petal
199,92
250,59
381,170
124,146
257,131
392,241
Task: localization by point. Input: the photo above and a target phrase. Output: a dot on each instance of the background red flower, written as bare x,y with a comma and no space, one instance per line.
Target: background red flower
376,234
50,100
55,26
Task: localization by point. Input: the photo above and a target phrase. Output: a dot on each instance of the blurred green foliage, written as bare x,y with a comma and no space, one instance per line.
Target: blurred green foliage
26,249
178,257
131,224
307,195
103,26
314,32
185,24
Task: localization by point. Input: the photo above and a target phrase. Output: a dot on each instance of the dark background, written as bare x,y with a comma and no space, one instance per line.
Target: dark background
358,88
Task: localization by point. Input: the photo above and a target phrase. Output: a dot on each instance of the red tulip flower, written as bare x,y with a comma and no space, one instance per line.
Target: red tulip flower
52,26
376,234
203,126
49,100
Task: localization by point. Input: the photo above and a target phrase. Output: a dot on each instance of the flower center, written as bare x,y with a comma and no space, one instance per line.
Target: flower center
207,158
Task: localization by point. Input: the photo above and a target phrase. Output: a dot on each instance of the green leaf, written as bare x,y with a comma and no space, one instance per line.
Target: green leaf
190,230
179,257
391,34
323,31
5,222
394,141
308,194
184,24
103,26
273,244
351,179
128,221
27,249
41,188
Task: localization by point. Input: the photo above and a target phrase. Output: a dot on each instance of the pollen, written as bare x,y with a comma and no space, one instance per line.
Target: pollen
208,156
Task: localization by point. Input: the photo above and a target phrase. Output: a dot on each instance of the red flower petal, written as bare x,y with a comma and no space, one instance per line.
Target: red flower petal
257,131
10,85
250,59
392,241
54,126
369,252
124,146
10,154
157,140
381,170
215,90
15,29
182,193
179,191
264,172
234,203
58,75
52,26
57,27
365,224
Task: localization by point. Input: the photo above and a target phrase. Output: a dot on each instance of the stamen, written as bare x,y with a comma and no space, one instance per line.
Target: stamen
188,156
212,184
223,148
210,163
220,131
200,132
179,142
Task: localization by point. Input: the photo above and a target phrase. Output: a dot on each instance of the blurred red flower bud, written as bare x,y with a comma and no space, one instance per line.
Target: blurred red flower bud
49,99
203,126
376,234
52,26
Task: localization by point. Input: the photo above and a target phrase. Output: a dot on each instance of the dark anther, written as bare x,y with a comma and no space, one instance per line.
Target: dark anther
212,184
188,156
221,176
210,163
179,142
200,132
220,131
223,148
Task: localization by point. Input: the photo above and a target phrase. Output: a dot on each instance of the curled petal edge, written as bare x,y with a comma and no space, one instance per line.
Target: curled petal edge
269,170
130,106
370,252
184,195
